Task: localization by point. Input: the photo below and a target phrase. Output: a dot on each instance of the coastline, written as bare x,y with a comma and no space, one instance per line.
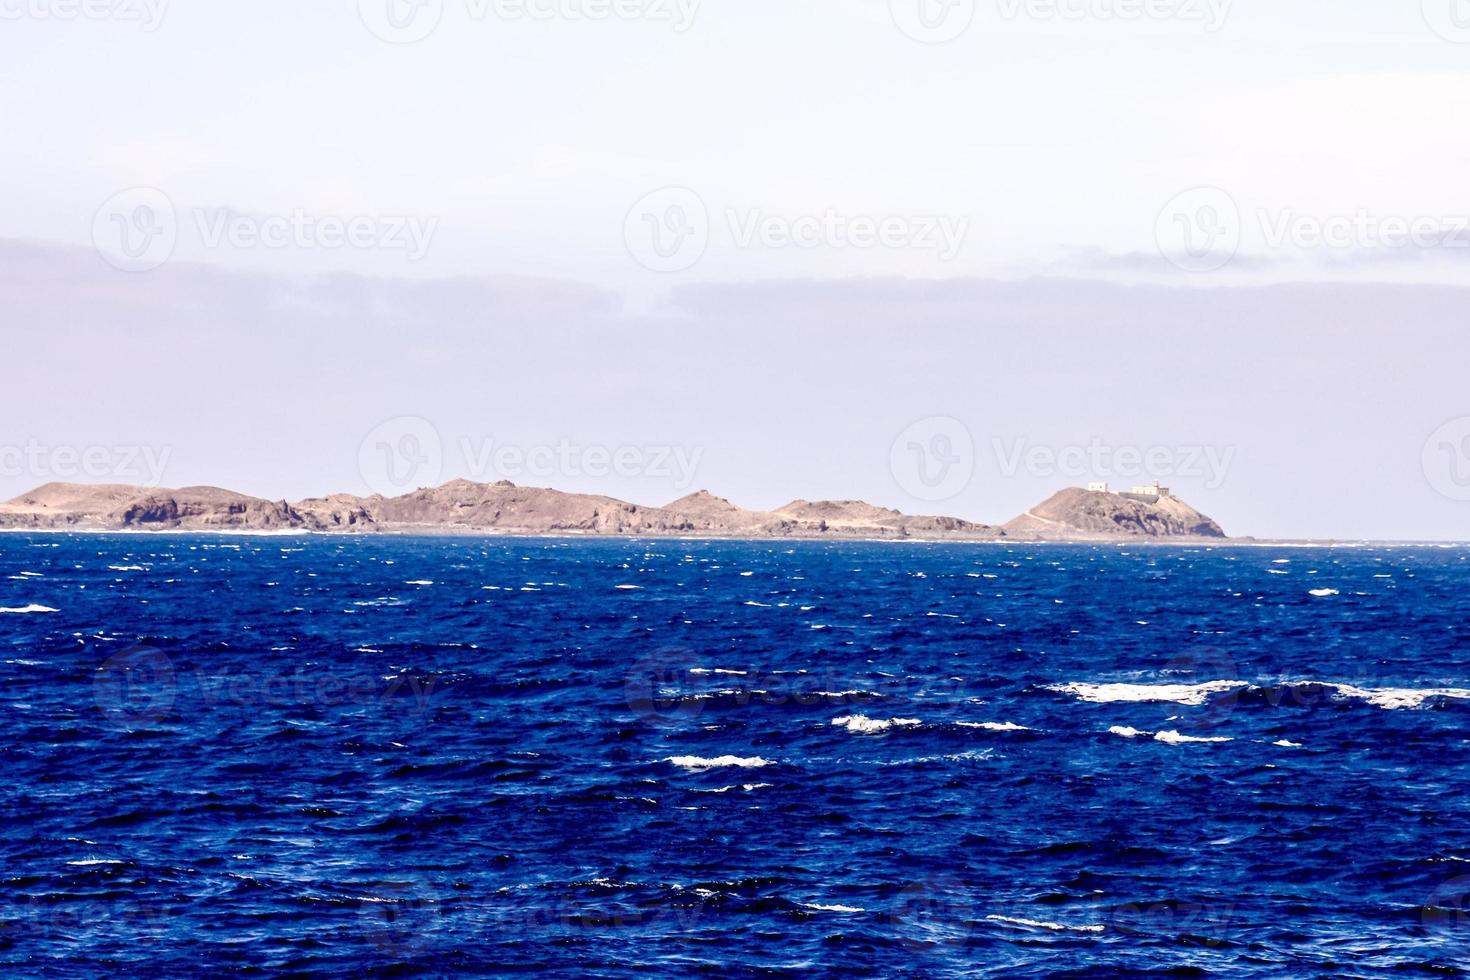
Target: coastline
466,531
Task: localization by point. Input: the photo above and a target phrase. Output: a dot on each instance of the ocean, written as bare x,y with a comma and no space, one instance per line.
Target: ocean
382,756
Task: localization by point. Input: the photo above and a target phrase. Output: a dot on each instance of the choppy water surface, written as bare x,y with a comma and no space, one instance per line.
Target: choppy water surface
352,756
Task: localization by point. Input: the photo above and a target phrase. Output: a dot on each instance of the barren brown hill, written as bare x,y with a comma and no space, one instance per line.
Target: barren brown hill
1075,513
116,506
855,516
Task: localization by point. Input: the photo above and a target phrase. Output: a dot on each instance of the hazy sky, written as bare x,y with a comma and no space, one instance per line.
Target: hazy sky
777,249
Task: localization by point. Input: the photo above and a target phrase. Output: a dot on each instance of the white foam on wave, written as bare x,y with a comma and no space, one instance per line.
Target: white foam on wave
1390,698
831,908
719,762
32,608
92,862
1194,695
1190,694
863,725
1174,738
1323,593
1042,924
716,670
1168,737
1283,743
994,726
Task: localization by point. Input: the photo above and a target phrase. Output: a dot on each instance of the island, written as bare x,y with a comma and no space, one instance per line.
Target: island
1094,513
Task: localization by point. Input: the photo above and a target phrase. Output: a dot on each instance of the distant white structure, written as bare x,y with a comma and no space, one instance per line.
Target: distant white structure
1150,491
1098,487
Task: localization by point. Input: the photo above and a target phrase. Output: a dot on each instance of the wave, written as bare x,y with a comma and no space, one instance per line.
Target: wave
1042,924
994,726
718,762
1168,737
863,725
1189,694
1291,693
831,908
32,608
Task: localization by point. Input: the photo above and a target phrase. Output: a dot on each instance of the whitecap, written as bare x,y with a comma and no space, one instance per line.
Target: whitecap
1174,738
1390,698
419,581
716,670
1127,732
32,608
994,726
1190,694
1287,745
863,725
1323,593
627,588
831,908
1041,924
718,762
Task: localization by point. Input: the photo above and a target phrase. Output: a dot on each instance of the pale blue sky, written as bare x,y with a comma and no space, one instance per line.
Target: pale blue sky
1051,151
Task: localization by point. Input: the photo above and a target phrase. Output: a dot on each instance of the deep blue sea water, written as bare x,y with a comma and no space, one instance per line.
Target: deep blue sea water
396,756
